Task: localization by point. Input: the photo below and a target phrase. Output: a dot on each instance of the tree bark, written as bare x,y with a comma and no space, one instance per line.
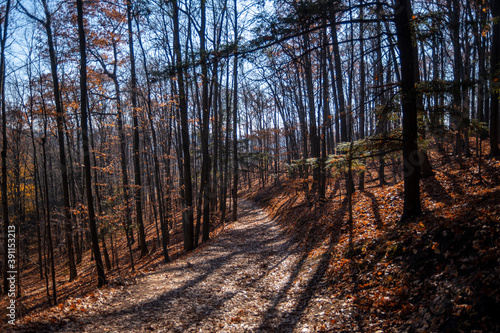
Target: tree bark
313,128
5,202
235,117
187,214
101,276
412,205
495,69
62,152
205,104
362,83
338,78
135,123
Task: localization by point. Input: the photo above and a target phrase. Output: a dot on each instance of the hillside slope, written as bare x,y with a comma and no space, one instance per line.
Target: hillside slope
439,272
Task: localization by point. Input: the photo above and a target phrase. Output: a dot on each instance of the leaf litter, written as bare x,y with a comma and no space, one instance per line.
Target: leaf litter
253,277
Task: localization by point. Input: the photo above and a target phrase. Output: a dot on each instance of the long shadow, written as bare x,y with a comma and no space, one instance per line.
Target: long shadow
435,190
287,205
270,313
291,318
135,308
457,186
375,208
463,258
267,247
209,267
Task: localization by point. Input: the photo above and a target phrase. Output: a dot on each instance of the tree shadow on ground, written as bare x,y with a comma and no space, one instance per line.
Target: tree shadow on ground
435,190
260,243
375,208
290,319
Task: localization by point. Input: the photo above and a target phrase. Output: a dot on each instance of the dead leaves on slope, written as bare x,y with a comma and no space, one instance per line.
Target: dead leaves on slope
438,273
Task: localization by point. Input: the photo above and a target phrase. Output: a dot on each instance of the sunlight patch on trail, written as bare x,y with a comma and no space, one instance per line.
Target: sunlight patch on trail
251,278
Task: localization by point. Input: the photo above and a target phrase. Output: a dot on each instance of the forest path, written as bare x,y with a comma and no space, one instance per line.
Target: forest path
251,278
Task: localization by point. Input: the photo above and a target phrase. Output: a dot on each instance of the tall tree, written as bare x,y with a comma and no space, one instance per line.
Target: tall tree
341,112
187,214
313,128
402,16
205,121
48,223
5,201
457,116
157,171
362,83
235,115
495,69
101,276
136,143
114,40
382,118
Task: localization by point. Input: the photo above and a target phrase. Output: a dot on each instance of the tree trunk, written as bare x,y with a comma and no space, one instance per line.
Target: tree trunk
456,117
5,202
303,125
159,187
411,206
123,155
235,117
205,122
495,70
135,123
338,77
381,123
362,94
101,276
313,129
225,159
47,218
187,214
62,153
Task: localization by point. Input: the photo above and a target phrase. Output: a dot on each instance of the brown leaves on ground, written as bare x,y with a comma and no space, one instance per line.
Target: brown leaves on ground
251,278
35,303
439,272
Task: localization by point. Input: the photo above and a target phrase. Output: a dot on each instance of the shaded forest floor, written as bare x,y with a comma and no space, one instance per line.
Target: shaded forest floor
35,303
437,273
253,277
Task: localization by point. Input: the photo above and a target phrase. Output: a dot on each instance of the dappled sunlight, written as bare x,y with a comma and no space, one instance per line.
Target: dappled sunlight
252,277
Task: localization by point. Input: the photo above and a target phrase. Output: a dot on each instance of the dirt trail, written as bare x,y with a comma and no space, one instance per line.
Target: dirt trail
251,278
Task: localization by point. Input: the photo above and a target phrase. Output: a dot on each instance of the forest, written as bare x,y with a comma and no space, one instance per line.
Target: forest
347,149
